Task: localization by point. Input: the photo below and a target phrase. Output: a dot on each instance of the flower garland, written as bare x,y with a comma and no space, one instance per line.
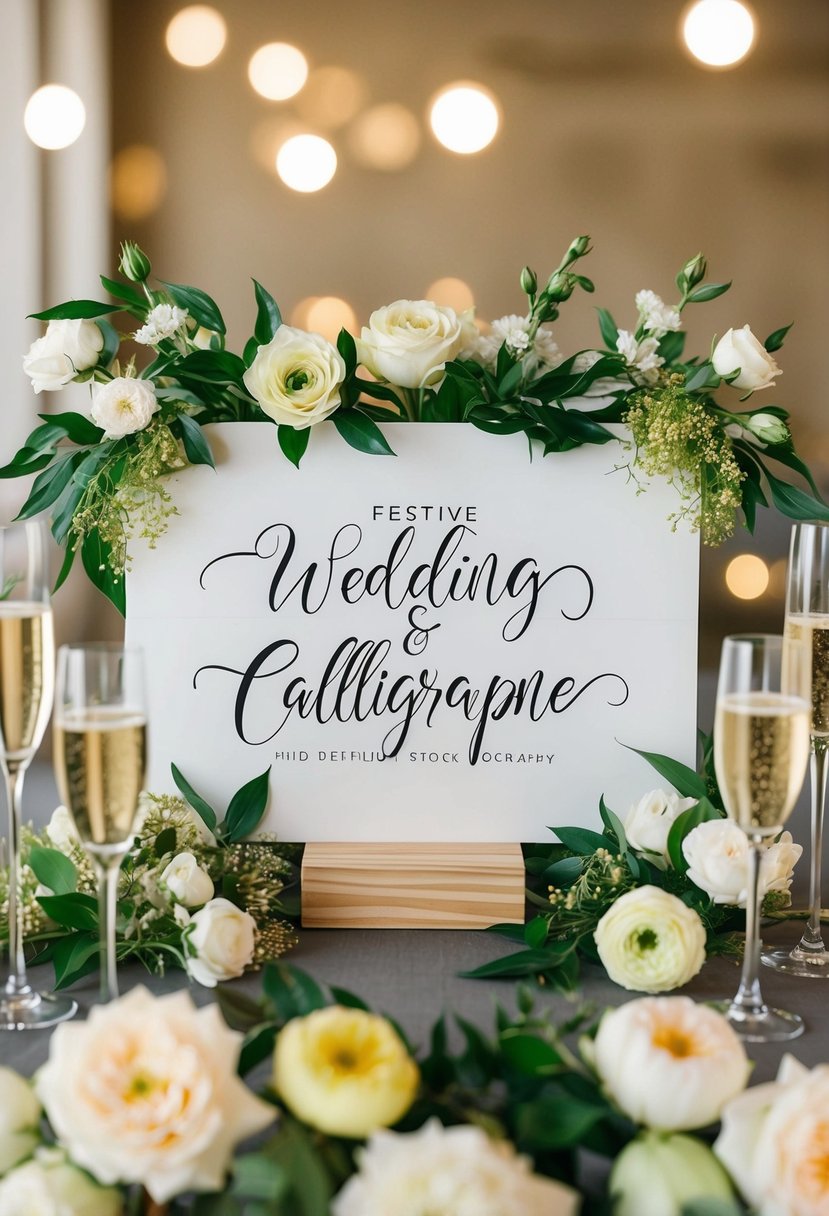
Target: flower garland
103,477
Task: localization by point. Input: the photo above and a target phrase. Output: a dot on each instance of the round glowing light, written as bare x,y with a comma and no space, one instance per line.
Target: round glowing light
327,315
464,118
386,137
196,36
331,97
54,117
278,70
451,293
306,163
719,33
747,576
137,181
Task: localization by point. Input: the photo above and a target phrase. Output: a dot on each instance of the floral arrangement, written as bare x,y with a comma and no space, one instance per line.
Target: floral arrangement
144,1099
648,898
103,477
193,892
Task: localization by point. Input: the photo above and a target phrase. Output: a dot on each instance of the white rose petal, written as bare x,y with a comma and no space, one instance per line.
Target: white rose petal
19,1118
669,1063
649,821
61,830
51,1186
67,347
123,406
739,349
296,378
409,342
145,1090
717,853
187,881
650,941
220,942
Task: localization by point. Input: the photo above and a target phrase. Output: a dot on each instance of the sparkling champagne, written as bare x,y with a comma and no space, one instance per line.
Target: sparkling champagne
27,675
813,632
761,748
100,761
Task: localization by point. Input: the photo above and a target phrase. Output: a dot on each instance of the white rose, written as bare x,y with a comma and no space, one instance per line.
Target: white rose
123,406
145,1090
650,941
739,349
50,1186
19,1117
187,881
219,942
296,378
408,343
67,347
61,830
669,1063
717,856
657,1175
774,1142
458,1170
649,821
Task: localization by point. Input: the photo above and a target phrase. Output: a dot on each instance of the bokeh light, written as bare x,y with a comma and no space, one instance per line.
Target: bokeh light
325,315
306,163
386,137
331,97
196,36
747,576
54,117
137,181
278,71
719,33
451,293
464,117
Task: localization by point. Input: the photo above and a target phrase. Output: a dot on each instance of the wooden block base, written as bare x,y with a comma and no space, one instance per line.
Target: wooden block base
412,886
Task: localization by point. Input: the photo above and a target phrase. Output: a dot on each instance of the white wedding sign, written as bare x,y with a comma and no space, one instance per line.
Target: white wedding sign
447,645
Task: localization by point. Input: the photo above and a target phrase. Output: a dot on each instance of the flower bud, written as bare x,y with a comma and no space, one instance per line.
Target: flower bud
768,428
578,248
693,272
529,282
657,1175
134,264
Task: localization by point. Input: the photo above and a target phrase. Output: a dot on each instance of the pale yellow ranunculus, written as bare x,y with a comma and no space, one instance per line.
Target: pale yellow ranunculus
344,1071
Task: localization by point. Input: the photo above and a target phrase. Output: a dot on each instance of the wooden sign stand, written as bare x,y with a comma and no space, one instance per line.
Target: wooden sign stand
412,886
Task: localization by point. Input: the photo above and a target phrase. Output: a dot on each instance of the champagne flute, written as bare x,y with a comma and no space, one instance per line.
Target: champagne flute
100,761
807,622
27,674
761,749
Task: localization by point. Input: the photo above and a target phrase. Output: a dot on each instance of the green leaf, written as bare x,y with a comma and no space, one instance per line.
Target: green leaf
256,1177
165,842
198,303
712,1207
247,806
67,564
523,963
112,343
775,340
671,345
49,485
702,377
708,291
795,503
555,1122
239,1010
73,957
268,316
608,328
361,433
294,993
685,823
529,1054
202,808
212,366
196,447
74,310
293,442
258,1046
583,841
348,349
77,427
535,931
126,293
343,997
22,468
786,455
54,869
74,910
96,556
685,781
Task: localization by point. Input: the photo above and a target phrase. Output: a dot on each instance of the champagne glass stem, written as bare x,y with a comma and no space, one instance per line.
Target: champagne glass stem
749,999
108,871
812,939
17,983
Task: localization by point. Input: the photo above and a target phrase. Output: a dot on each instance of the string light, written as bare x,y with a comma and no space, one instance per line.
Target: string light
464,117
306,163
719,33
54,117
747,576
196,36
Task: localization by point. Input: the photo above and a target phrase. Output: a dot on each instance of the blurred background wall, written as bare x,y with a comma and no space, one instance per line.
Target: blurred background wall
607,126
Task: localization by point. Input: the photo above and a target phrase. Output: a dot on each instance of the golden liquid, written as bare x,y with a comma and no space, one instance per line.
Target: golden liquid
761,749
100,760
27,676
813,632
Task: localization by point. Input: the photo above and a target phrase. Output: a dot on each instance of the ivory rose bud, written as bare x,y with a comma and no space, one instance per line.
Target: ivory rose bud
717,856
739,349
123,405
409,342
650,941
669,1063
296,378
649,821
775,1142
19,1117
67,347
657,1175
51,1186
145,1090
219,942
344,1071
187,881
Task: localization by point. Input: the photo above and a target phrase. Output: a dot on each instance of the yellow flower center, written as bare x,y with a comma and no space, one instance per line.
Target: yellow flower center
816,1163
675,1041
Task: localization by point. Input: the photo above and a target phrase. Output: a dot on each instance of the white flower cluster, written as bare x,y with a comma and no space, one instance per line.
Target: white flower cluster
162,322
656,318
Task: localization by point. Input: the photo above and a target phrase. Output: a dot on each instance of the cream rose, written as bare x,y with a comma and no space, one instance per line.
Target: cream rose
717,856
296,378
649,821
67,347
146,1091
19,1117
61,830
775,1142
219,942
739,349
657,1175
669,1063
344,1071
187,881
51,1186
650,941
408,343
123,406
455,1171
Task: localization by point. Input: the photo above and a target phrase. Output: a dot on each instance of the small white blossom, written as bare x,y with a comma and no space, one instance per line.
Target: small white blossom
642,356
656,316
162,322
514,331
